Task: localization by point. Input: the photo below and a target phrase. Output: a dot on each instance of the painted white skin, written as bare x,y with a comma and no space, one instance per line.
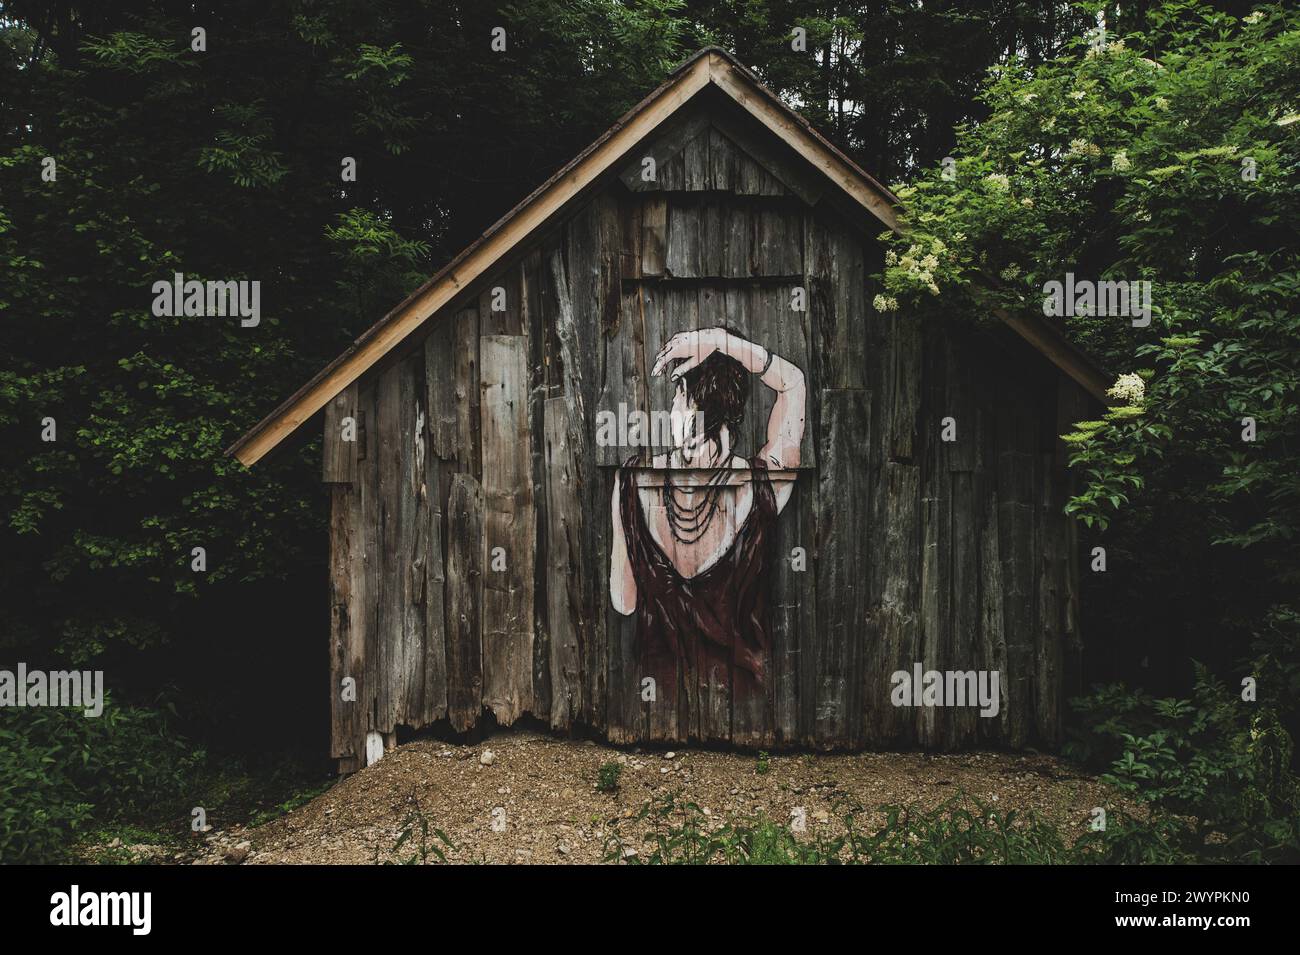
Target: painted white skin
692,451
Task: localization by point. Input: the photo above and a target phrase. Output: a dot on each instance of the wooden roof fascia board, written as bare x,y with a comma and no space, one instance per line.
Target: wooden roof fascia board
451,281
797,133
1056,348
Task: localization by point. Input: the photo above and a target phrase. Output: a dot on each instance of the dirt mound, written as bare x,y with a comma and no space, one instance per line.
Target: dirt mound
523,797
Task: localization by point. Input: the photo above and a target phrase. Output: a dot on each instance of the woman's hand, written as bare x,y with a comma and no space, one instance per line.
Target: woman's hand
690,348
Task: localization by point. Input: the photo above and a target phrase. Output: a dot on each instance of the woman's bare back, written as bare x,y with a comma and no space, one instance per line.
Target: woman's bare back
734,504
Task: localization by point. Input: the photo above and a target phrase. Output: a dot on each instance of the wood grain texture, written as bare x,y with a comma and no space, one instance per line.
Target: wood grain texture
509,525
339,456
911,549
464,602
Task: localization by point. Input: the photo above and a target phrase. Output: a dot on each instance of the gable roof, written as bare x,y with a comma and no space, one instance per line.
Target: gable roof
710,67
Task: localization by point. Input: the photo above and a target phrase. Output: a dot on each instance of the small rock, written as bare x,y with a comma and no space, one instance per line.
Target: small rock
669,755
488,757
238,853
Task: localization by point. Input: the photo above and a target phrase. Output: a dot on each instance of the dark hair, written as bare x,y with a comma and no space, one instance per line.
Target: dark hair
719,388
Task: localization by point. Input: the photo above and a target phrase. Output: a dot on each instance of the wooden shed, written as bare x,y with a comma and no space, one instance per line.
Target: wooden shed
890,491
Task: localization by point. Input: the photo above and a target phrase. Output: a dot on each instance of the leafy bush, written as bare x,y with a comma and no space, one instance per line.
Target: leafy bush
608,777
58,766
1213,772
961,831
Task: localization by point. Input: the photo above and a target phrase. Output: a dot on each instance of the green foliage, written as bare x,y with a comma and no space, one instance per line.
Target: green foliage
1171,155
423,839
962,830
1213,773
297,800
58,766
608,776
762,764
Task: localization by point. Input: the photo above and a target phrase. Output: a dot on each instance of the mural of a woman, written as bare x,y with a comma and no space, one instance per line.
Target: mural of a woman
694,533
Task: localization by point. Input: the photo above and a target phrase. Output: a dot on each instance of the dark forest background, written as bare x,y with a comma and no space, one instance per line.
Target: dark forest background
224,164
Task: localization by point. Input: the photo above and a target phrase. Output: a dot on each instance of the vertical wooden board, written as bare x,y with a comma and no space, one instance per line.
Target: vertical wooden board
811,645
622,393
338,455
698,168
778,239
672,173
368,571
992,635
936,527
656,307
413,549
751,178
500,304
571,307
625,715
682,257
736,302
713,243
464,602
1017,439
771,323
904,374
466,377
564,600
791,341
344,655
593,243
531,283
443,401
793,609
834,273
964,605
435,583
842,567
1015,533
898,646
388,464
654,234
509,528
723,159
403,537
737,240
1049,644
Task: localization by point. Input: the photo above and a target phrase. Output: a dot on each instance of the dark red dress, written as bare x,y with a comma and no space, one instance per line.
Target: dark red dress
713,626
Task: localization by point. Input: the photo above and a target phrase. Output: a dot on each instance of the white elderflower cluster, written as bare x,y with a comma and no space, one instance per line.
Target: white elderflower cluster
884,303
1120,162
1077,95
1253,18
1081,147
1130,389
919,266
998,181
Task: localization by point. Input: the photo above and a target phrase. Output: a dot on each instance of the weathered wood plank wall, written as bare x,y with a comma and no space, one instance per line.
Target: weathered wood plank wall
470,515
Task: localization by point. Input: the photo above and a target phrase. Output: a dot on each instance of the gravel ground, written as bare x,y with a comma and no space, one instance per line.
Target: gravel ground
524,797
